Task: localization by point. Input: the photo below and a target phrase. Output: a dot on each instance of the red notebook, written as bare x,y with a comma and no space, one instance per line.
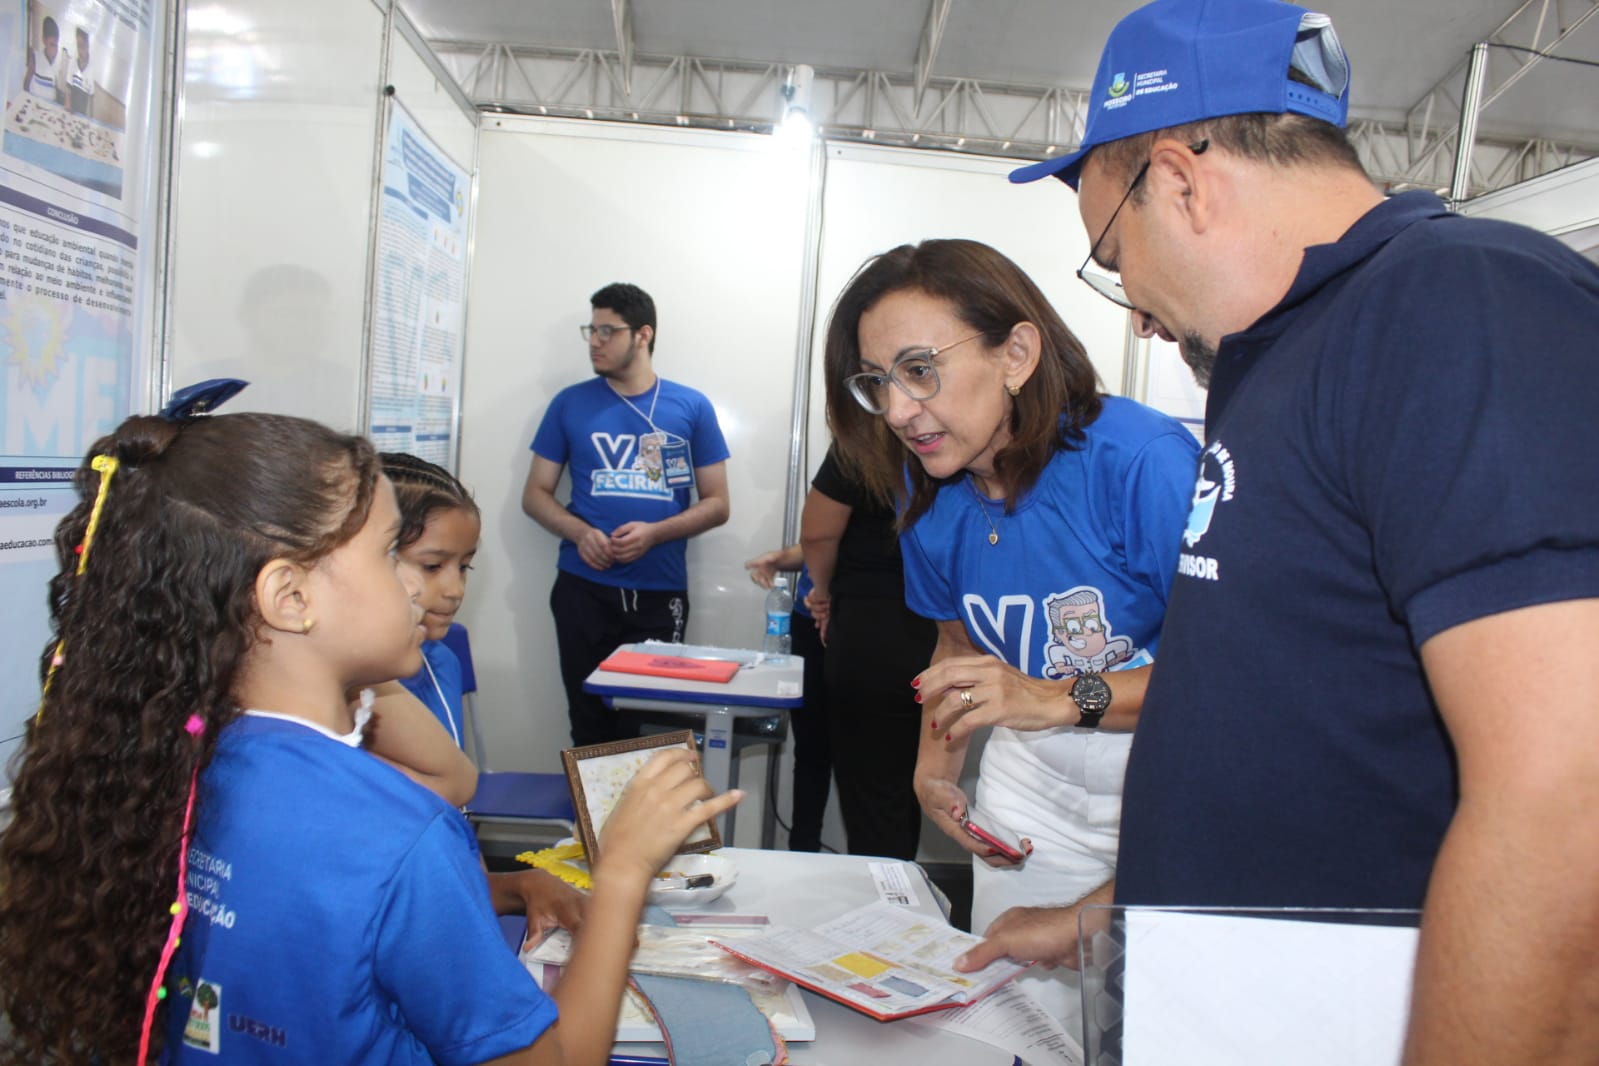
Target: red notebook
638,662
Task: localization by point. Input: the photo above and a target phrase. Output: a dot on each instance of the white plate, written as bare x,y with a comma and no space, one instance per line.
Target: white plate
723,870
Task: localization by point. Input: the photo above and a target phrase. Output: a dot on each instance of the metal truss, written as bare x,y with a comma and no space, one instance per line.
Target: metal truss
1385,150
881,107
1432,130
918,109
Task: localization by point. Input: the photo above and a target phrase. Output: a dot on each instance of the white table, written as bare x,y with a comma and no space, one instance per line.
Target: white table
803,890
759,690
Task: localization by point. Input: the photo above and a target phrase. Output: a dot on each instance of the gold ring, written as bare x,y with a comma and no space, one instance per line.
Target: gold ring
966,698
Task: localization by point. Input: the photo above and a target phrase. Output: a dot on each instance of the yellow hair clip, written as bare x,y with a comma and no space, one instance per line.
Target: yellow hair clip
554,861
107,466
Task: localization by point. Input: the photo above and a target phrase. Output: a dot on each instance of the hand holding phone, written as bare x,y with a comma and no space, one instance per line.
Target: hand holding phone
1006,844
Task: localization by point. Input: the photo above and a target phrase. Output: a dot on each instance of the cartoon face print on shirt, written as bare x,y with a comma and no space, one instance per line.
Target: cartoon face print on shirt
629,465
1080,638
649,455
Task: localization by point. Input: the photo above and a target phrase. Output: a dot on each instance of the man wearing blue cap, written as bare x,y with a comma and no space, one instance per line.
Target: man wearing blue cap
1377,686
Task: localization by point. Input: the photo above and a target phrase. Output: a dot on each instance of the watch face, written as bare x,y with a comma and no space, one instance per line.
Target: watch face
1091,694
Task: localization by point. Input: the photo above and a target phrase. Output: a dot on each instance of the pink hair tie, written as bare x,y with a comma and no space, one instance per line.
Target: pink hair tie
180,906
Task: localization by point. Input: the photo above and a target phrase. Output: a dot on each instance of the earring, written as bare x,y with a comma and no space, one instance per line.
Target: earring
1014,390
305,626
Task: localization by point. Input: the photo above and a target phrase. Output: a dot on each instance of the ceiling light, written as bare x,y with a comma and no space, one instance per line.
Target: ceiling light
794,127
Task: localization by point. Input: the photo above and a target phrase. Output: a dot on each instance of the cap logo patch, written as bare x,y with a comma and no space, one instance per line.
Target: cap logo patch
1119,85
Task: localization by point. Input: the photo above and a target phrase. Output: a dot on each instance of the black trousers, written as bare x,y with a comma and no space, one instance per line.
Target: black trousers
590,621
874,648
813,766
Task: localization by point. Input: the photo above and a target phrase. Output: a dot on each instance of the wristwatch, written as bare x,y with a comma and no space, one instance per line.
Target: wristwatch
1092,697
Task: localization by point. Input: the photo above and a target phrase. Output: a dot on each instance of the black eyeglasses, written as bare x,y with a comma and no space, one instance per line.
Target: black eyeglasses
1108,283
604,333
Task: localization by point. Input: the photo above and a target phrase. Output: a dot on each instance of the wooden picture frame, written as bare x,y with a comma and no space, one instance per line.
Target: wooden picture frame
598,773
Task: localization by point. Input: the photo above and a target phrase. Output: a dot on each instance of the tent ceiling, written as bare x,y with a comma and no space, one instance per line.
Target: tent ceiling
1399,50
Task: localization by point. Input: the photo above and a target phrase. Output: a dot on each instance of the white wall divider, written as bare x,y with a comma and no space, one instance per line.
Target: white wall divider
274,199
1564,204
712,226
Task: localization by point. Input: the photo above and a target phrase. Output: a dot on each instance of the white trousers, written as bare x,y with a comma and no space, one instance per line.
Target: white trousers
1062,789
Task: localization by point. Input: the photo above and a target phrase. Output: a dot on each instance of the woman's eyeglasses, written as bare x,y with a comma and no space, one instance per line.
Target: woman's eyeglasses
913,373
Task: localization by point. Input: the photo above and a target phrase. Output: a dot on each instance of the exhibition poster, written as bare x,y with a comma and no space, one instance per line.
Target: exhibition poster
75,176
419,297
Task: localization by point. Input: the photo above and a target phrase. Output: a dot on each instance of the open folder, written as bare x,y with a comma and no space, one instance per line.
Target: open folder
878,959
655,665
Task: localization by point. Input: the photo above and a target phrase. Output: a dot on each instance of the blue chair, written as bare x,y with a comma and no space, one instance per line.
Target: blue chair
504,795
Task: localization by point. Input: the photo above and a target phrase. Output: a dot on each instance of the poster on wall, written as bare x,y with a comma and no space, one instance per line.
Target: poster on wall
76,78
419,295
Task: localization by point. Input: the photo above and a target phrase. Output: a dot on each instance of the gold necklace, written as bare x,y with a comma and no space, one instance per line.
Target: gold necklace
982,508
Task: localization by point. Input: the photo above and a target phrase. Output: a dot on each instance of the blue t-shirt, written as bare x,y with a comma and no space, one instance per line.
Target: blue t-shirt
1078,579
1408,441
802,589
338,914
443,698
617,477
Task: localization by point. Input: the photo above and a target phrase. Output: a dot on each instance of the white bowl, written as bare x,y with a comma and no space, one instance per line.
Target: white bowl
724,872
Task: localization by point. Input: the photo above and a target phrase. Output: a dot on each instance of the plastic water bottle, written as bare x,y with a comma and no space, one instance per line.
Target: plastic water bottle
779,605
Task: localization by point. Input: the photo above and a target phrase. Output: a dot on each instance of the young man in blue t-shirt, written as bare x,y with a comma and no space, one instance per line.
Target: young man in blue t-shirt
640,449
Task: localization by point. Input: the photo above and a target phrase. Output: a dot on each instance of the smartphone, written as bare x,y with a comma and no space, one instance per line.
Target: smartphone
981,827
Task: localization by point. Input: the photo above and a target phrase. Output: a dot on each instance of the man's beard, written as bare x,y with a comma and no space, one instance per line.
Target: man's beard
1200,357
617,372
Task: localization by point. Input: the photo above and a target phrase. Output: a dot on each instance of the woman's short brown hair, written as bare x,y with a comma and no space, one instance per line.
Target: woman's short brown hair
990,293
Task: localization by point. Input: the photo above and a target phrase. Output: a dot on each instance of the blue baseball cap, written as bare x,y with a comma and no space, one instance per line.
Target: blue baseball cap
1173,62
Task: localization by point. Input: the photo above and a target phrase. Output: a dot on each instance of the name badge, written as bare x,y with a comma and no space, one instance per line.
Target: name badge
677,463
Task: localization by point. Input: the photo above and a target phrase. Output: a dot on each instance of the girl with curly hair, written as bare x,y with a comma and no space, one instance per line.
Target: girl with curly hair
195,769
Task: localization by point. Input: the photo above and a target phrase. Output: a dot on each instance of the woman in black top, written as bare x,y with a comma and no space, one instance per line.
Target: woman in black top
874,647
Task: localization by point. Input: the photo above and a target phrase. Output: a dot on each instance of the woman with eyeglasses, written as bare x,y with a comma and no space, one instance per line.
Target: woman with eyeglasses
1040,522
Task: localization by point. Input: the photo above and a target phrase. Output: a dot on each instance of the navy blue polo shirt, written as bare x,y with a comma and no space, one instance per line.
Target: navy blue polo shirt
1408,441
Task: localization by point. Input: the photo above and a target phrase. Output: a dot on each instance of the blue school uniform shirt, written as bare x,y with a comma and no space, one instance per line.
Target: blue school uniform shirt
1077,582
595,434
444,699
338,914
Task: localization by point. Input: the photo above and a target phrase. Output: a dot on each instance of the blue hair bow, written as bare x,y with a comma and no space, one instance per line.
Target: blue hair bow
201,398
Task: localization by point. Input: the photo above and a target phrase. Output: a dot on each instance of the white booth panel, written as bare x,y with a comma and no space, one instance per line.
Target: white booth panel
274,201
1167,384
1564,204
711,225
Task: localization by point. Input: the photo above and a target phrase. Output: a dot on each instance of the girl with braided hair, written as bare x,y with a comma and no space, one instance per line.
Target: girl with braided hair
195,769
439,527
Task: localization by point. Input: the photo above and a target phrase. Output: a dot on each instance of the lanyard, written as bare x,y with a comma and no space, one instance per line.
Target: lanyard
648,418
448,717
